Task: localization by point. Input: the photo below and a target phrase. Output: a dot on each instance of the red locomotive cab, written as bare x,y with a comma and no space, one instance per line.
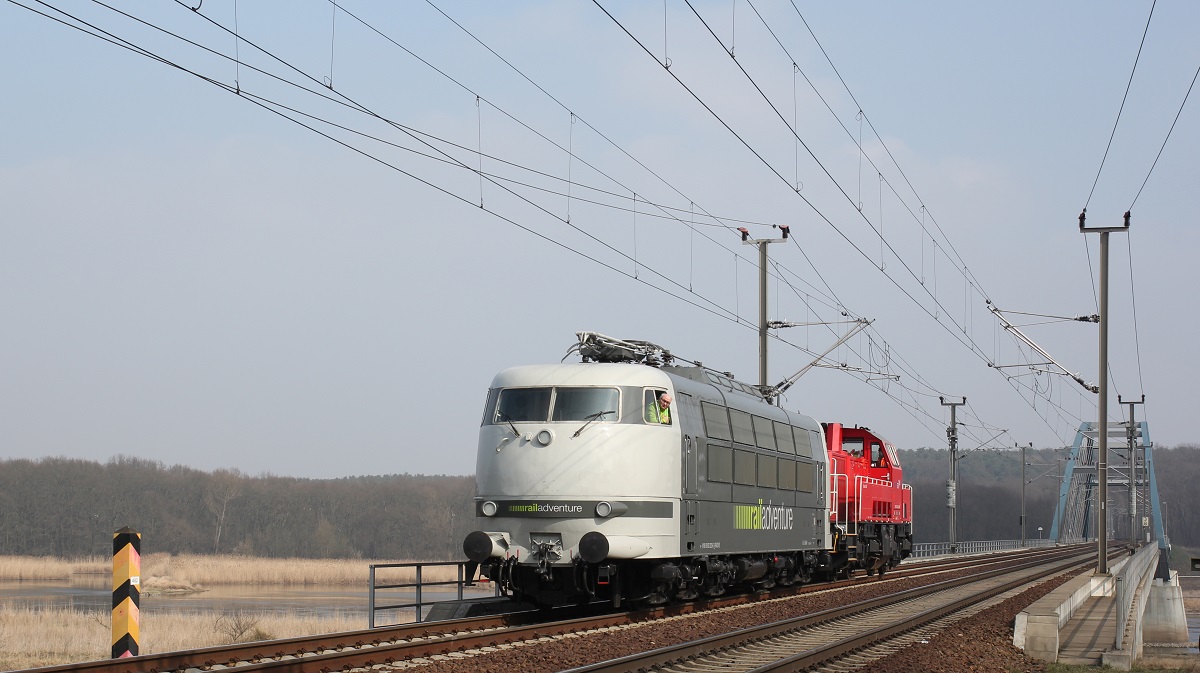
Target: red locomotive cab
866,475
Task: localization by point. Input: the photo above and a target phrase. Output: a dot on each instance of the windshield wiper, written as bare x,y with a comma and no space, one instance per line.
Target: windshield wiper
591,418
504,417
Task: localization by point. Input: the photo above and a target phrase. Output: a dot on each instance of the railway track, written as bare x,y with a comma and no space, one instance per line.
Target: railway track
423,641
849,637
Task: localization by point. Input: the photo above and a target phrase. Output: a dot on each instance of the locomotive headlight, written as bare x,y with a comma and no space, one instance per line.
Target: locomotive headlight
545,437
605,509
489,508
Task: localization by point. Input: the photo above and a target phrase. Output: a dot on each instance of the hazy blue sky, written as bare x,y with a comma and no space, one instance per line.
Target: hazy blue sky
187,276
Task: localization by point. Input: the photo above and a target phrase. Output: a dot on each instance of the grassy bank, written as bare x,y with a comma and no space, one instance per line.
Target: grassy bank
183,571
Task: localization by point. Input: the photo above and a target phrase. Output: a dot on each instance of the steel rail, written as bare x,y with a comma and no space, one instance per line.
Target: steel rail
679,654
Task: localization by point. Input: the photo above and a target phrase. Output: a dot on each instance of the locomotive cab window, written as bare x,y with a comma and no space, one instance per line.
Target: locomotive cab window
539,405
658,411
586,404
853,446
876,454
522,404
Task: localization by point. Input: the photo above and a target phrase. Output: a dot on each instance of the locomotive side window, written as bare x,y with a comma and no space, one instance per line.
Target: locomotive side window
716,421
787,474
720,463
744,464
652,407
891,455
586,404
764,433
853,446
768,471
805,477
743,429
876,454
803,443
489,406
783,436
523,404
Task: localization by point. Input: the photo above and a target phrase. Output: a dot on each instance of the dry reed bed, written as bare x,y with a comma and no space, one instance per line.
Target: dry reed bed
183,571
30,568
34,637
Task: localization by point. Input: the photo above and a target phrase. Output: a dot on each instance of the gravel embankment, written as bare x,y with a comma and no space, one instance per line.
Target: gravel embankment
981,643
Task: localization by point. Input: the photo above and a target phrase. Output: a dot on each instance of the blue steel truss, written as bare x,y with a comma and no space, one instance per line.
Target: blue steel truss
1075,514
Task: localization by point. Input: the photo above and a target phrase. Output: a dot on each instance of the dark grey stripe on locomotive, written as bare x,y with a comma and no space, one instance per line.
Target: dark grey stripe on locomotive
576,509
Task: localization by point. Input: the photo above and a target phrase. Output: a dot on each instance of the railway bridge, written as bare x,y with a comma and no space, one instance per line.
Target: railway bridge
1110,617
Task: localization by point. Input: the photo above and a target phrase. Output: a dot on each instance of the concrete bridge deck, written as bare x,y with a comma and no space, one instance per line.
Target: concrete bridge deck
1077,623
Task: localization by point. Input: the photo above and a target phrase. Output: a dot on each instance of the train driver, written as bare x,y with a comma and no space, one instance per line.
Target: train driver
658,410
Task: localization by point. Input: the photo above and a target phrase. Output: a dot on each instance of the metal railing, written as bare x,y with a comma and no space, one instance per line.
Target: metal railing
927,549
418,586
1132,581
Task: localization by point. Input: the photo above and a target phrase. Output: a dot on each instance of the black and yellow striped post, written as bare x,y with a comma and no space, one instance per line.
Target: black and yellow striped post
126,596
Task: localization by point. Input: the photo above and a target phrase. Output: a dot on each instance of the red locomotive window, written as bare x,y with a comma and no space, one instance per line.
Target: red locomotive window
891,454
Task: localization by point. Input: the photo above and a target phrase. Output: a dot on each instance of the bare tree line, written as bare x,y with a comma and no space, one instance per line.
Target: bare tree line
68,507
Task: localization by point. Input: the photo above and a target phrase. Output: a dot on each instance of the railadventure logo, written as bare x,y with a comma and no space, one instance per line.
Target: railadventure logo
544,508
762,517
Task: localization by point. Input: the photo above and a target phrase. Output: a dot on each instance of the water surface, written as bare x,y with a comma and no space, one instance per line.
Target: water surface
88,594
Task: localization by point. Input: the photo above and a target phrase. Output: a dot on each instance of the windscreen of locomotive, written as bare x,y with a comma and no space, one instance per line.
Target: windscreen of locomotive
569,404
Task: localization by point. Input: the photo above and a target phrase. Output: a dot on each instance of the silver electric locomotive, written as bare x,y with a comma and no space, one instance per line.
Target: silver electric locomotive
590,487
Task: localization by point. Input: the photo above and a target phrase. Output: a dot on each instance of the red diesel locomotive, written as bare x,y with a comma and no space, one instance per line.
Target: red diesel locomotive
871,506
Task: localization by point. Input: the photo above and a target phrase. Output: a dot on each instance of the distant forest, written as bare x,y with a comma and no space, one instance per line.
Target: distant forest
66,507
